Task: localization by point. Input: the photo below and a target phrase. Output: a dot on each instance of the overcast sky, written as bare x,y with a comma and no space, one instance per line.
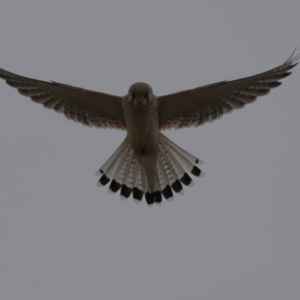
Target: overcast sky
234,235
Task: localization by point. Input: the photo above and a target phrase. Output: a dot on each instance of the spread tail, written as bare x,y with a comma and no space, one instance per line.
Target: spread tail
152,178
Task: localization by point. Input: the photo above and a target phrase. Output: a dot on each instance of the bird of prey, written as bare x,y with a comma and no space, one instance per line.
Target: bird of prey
147,162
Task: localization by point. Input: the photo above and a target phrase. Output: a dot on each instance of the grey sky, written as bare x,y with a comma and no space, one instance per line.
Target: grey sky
234,235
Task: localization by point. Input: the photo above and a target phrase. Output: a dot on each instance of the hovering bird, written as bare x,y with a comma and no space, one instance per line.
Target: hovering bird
147,162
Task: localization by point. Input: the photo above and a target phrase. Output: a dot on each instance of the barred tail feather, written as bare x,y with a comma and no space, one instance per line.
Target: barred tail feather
150,177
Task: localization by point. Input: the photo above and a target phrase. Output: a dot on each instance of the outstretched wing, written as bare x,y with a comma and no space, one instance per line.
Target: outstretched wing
88,107
207,103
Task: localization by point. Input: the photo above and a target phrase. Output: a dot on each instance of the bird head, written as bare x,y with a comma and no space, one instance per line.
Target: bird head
140,93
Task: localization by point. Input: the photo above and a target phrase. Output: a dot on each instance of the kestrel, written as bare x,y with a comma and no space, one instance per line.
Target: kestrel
147,162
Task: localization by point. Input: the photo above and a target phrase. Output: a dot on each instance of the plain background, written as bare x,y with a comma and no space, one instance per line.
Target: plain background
234,235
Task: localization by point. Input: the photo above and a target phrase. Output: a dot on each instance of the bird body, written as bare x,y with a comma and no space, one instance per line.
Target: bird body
142,125
147,162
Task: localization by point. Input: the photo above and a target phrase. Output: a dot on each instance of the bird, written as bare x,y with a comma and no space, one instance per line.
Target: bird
147,163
